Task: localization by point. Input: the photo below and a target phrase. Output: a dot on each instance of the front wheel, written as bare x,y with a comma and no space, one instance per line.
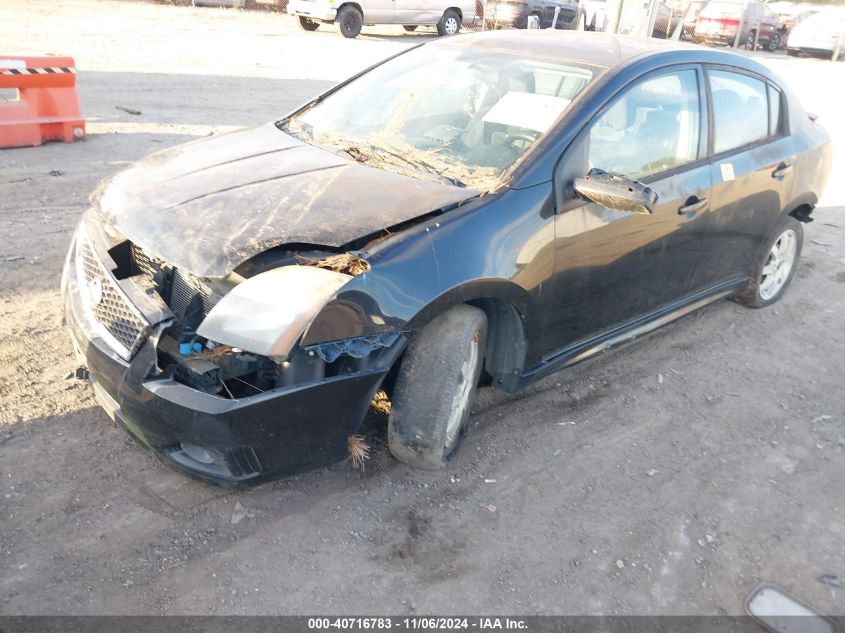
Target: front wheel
349,21
308,25
774,42
435,388
775,268
449,24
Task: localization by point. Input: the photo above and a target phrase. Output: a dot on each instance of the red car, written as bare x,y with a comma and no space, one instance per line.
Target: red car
720,21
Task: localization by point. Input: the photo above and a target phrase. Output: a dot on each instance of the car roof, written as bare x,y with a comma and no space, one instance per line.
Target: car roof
586,48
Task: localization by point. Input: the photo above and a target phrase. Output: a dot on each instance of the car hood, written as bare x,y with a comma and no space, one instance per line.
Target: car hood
209,205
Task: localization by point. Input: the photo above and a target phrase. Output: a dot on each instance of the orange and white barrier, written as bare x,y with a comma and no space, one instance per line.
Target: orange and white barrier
46,108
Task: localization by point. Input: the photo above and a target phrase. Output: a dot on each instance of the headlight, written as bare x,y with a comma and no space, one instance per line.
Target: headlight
266,314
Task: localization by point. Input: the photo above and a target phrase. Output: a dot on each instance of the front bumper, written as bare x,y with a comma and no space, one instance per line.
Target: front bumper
312,9
281,431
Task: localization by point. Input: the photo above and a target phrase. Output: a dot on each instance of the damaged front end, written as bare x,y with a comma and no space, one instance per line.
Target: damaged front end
211,373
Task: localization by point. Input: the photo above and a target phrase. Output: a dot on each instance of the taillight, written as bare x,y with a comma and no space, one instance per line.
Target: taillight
728,22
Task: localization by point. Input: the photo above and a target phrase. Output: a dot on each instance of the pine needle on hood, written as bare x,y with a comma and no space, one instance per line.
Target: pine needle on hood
341,263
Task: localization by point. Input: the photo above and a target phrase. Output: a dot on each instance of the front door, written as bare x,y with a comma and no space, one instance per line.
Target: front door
613,267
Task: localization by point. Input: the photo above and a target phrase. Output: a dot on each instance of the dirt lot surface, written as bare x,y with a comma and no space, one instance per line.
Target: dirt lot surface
668,477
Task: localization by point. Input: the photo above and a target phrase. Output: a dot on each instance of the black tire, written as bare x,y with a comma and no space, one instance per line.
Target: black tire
774,42
450,23
439,369
307,24
753,295
749,41
410,27
349,21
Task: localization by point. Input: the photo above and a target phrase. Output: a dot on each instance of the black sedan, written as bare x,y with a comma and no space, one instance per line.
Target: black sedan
239,301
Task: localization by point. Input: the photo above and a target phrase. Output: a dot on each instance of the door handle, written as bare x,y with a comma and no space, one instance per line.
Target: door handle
693,205
782,170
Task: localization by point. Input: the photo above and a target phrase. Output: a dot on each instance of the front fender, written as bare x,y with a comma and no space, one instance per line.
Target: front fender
496,248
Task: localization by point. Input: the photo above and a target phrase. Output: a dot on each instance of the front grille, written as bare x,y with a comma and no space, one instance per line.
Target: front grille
123,328
184,286
145,263
177,287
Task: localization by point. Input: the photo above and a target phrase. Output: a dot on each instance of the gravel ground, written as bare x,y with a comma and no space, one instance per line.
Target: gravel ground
669,477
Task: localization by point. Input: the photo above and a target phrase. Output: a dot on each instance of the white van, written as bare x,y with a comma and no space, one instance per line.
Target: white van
350,16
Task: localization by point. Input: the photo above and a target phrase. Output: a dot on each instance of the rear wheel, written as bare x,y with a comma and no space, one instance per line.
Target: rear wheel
450,23
435,388
349,21
410,27
307,24
775,268
749,42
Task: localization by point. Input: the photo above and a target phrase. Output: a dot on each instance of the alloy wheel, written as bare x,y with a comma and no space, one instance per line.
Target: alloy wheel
779,264
460,401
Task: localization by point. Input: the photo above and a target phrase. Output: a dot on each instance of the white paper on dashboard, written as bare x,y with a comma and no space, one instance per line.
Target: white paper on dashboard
527,110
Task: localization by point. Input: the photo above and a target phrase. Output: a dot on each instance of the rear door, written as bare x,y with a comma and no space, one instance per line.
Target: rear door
751,168
613,267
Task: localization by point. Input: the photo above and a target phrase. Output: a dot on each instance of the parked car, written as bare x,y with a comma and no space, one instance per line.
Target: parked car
789,18
720,20
822,34
446,15
485,209
515,13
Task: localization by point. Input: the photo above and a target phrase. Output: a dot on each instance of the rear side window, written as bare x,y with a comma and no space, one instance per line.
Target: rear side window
741,110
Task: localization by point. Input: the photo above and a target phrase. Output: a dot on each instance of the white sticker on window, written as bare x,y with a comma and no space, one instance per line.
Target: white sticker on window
527,110
727,171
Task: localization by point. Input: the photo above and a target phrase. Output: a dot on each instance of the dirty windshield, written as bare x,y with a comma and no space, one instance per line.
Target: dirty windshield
447,113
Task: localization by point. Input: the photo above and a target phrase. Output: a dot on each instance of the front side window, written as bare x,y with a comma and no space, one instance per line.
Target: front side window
651,128
740,110
445,112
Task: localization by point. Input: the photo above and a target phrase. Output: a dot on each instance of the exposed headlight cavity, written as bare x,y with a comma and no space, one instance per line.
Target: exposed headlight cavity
267,314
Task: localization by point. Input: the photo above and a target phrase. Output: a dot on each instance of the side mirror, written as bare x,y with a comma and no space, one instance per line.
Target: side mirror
616,192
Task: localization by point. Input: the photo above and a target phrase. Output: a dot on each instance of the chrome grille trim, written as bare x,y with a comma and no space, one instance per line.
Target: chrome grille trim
116,319
147,264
